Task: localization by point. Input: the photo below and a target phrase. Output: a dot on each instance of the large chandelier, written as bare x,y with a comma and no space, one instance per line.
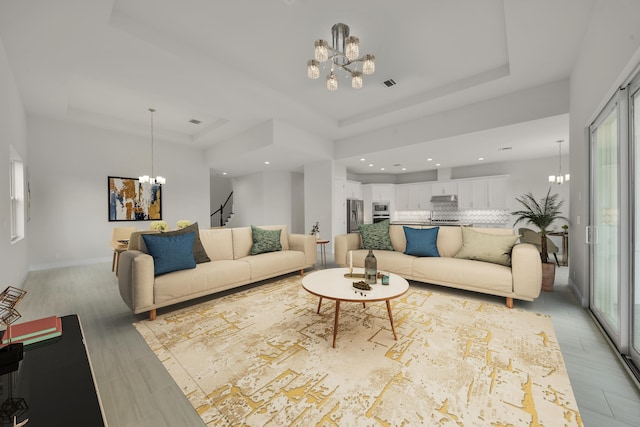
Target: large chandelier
559,179
146,178
344,54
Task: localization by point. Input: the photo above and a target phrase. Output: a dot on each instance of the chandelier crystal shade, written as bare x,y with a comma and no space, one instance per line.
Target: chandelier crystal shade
146,179
343,54
560,178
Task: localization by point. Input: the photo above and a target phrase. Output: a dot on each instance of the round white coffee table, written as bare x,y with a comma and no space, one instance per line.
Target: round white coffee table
332,284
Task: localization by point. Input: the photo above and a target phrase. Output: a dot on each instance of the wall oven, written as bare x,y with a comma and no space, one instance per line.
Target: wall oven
380,211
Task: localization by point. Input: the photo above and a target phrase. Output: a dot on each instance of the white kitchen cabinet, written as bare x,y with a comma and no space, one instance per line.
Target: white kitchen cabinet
354,190
473,194
402,197
444,188
420,196
382,192
497,189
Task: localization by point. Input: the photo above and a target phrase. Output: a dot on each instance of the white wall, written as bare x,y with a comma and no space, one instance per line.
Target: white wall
319,202
611,40
69,167
13,257
297,203
263,198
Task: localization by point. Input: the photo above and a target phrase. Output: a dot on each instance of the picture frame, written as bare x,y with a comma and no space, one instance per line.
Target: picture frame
131,200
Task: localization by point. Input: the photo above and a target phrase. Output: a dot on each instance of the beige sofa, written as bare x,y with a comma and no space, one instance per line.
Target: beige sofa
522,280
231,266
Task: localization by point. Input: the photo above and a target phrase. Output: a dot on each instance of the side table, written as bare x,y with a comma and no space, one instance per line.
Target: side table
565,245
56,380
323,251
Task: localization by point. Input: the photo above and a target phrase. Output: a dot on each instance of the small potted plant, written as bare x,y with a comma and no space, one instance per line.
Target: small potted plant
316,230
541,214
158,226
183,223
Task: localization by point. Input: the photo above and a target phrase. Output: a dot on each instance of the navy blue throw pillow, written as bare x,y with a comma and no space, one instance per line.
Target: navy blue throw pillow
170,253
422,242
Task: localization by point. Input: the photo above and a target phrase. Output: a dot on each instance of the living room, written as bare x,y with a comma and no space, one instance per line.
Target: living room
70,147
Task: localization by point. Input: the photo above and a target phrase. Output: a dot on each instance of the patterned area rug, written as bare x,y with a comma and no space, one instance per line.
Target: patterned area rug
263,357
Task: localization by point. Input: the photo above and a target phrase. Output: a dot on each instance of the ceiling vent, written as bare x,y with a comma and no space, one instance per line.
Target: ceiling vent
195,121
505,148
389,83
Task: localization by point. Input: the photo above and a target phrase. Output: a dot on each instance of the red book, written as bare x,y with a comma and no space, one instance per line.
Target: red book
26,330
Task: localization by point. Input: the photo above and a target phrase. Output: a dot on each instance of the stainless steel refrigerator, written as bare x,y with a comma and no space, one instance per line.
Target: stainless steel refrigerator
355,214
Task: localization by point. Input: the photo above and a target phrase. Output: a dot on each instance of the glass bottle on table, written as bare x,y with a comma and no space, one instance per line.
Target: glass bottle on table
370,268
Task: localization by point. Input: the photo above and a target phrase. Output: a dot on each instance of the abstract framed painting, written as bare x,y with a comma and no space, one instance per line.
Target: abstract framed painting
131,200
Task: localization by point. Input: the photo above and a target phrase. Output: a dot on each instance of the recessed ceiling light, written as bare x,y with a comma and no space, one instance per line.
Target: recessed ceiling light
362,159
404,169
437,164
224,173
480,158
429,159
370,164
381,169
266,163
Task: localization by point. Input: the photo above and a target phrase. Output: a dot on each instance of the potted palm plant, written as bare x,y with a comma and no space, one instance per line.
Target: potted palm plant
541,214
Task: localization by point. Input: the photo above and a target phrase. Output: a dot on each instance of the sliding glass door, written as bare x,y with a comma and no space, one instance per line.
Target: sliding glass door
605,219
634,350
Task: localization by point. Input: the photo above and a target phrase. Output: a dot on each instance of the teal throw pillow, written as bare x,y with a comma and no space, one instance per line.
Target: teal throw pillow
170,253
376,236
265,240
199,254
422,242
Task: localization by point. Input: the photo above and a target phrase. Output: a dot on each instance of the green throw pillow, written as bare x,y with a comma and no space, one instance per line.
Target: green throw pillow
376,236
486,247
265,240
199,253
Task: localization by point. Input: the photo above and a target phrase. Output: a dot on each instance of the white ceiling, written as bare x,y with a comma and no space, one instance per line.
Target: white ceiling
236,64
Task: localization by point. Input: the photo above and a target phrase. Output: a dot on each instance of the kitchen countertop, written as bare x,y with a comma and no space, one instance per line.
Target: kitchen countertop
466,224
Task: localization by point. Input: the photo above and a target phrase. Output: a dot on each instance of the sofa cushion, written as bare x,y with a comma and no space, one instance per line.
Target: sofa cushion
376,236
265,240
486,247
422,242
243,239
199,253
218,242
170,253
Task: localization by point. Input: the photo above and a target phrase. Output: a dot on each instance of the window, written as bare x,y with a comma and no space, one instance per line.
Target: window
16,194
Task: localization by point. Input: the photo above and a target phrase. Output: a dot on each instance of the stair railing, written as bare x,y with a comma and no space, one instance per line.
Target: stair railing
223,216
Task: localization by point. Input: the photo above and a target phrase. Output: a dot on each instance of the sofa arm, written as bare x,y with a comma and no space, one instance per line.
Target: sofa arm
135,280
344,244
305,243
526,269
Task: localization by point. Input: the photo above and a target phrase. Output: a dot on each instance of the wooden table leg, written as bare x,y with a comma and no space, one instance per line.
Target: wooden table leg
319,304
393,328
335,323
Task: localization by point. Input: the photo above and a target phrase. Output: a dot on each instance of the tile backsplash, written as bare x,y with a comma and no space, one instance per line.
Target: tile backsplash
450,213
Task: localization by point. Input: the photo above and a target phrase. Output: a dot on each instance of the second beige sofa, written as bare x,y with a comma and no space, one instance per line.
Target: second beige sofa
521,280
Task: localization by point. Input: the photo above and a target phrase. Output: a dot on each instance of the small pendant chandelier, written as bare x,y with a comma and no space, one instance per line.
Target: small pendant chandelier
343,55
559,179
146,178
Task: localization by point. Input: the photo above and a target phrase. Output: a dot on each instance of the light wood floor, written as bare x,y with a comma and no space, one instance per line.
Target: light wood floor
137,391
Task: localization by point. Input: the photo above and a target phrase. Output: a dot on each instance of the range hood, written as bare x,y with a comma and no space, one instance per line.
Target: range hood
445,199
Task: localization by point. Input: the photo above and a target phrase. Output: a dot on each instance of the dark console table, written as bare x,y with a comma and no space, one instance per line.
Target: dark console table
56,382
